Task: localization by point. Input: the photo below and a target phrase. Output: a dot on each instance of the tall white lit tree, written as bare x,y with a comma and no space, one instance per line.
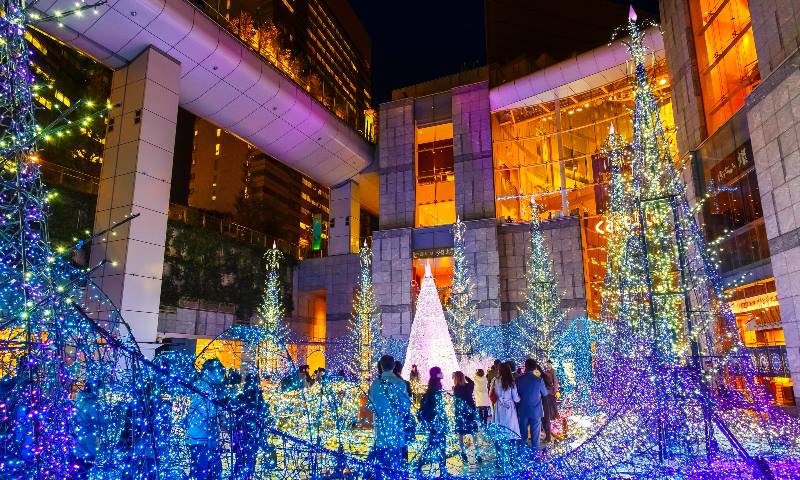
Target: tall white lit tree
429,344
364,336
461,305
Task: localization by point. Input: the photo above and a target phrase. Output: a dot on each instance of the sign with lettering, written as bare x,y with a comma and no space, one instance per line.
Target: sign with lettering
757,302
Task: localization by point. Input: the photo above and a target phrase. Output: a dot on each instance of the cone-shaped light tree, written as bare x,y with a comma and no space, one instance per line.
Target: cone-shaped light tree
429,344
364,337
461,304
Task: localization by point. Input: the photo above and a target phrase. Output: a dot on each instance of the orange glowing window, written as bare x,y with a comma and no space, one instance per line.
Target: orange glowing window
726,56
435,192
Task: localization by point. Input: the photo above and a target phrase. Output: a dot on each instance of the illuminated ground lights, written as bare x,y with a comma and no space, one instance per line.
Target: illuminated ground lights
652,390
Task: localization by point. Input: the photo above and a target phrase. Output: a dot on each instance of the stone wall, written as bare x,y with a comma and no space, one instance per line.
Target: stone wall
337,277
776,29
391,269
563,239
472,151
774,119
687,100
480,245
193,321
396,164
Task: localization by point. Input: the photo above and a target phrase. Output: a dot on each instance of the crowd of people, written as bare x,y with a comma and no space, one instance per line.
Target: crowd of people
520,403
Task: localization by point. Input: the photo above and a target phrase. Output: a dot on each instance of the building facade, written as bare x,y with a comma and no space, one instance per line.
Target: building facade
736,87
230,176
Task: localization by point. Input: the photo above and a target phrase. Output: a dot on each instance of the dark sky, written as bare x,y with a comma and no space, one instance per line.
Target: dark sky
414,41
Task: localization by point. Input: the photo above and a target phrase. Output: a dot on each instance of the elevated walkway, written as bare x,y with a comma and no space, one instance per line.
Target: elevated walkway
221,80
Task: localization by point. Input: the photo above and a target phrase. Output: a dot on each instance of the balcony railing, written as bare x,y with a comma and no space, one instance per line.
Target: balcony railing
54,174
770,361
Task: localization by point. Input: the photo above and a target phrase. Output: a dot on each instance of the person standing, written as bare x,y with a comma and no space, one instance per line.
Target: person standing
203,430
391,406
398,370
482,400
466,414
532,392
549,403
432,412
505,410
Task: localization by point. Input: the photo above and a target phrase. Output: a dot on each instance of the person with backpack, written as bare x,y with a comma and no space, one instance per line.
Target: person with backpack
394,426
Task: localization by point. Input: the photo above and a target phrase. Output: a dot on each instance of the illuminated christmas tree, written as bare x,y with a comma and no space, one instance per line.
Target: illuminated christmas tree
534,329
51,350
429,344
364,338
273,353
461,304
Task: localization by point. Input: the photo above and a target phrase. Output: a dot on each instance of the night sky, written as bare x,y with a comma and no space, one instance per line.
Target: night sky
414,41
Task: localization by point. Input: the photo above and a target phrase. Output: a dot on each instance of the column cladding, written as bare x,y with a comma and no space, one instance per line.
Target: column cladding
391,270
480,242
563,240
396,164
135,179
472,151
774,120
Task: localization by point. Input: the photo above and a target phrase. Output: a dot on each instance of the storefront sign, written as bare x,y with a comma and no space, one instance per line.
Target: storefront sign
758,302
733,165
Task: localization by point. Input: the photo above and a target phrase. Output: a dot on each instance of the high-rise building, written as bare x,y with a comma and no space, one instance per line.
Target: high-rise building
66,77
319,44
734,77
232,177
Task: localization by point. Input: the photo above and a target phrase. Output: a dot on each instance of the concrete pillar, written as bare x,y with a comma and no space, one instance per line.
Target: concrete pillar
391,272
135,179
472,151
396,164
345,217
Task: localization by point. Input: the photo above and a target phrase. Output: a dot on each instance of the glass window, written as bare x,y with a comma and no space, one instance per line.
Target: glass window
726,56
553,152
435,190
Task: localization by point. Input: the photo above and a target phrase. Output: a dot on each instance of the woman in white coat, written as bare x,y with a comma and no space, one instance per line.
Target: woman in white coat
505,410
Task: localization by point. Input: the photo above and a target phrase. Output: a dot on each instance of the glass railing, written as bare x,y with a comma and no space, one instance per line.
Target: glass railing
260,35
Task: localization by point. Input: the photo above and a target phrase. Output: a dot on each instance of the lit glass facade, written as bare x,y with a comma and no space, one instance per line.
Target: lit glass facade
435,175
726,56
552,151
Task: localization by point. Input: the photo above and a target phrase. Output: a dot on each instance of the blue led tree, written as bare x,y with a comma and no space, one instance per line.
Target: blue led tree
56,328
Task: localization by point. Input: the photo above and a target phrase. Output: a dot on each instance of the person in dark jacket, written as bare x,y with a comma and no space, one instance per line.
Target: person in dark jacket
432,412
398,370
532,391
466,414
